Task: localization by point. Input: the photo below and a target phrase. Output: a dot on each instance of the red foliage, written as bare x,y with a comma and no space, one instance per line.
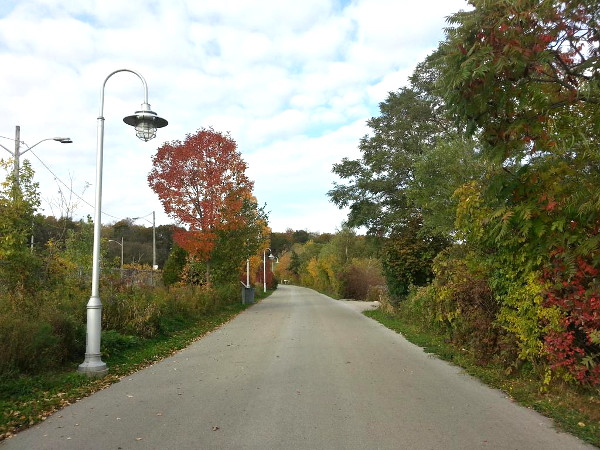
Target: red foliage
578,297
201,182
197,243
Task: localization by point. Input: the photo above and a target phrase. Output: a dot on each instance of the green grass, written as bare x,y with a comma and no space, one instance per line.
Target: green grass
27,400
575,410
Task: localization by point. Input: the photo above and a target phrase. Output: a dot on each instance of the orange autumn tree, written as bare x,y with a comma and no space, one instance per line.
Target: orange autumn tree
201,183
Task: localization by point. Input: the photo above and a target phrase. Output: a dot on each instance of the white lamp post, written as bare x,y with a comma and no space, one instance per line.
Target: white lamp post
145,122
265,268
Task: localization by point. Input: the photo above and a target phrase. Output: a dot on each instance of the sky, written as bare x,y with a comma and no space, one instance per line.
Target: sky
292,82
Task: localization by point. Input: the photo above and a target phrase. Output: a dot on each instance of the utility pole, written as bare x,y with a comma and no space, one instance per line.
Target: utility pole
153,240
17,153
153,248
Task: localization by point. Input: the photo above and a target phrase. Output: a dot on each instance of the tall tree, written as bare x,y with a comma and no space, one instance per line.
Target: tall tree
202,184
378,181
401,188
522,70
400,175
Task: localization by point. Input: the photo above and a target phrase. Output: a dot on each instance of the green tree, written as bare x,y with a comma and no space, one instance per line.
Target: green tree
295,263
300,236
408,256
78,247
438,173
236,244
376,190
401,188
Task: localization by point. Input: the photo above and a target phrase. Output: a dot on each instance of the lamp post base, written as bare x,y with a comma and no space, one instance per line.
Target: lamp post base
93,366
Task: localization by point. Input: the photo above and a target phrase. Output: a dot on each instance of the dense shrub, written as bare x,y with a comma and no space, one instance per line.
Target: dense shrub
466,304
359,276
130,311
174,265
420,308
51,330
114,342
26,345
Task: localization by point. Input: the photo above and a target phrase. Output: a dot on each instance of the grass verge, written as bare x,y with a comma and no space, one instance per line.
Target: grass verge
27,400
574,410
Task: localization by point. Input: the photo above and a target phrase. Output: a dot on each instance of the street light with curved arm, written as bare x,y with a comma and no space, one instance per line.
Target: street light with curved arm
16,154
145,122
154,266
121,244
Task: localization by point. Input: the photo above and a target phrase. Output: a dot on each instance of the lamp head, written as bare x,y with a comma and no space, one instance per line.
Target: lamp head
63,140
145,122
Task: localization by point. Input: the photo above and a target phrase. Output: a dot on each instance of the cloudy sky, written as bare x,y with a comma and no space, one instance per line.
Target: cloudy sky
293,82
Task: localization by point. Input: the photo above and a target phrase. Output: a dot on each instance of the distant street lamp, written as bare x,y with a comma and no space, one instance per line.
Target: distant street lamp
265,267
16,154
121,244
154,266
145,122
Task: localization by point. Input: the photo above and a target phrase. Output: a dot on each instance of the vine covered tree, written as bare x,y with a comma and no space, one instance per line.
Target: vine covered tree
524,76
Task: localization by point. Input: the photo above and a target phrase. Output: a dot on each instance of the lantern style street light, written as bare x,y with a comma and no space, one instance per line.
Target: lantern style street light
145,121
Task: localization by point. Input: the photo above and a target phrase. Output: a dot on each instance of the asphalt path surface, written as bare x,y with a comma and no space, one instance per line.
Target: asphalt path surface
298,370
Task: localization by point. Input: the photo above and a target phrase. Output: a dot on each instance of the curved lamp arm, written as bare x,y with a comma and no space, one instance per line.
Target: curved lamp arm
145,121
117,71
62,140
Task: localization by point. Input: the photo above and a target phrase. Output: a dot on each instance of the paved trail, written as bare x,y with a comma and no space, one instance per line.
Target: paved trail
297,371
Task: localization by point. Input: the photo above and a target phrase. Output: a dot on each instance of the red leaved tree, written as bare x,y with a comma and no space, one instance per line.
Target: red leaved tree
201,183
